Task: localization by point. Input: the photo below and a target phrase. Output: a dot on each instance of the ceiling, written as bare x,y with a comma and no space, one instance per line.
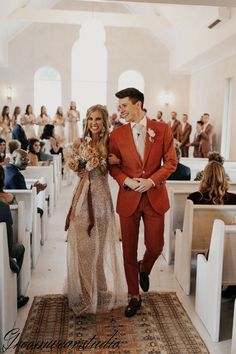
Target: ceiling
182,25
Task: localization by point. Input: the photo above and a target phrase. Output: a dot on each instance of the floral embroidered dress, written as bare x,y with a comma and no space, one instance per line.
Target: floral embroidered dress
95,276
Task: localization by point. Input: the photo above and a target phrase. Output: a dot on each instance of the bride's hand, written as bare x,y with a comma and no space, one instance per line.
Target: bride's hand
113,159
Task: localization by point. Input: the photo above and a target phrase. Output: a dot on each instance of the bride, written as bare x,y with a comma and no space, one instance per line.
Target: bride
95,278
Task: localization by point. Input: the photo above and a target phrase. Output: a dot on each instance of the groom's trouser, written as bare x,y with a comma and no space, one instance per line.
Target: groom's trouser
153,239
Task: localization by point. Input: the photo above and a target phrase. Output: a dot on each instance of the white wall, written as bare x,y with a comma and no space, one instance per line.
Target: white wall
50,45
207,91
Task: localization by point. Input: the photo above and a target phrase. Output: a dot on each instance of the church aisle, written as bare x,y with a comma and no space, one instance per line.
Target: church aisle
50,273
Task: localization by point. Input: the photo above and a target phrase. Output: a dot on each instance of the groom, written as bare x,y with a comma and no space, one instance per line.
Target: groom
145,149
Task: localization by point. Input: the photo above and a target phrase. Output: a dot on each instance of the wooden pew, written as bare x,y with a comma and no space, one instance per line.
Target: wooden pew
42,204
173,220
178,192
233,346
32,218
8,288
46,172
218,270
196,236
22,236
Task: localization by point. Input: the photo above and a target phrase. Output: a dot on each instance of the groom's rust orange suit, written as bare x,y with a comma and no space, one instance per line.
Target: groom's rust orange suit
159,162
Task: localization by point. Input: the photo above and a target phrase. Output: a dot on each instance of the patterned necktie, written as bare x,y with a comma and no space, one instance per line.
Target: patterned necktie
140,140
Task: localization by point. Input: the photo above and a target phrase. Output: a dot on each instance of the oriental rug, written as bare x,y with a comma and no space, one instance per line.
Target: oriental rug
161,326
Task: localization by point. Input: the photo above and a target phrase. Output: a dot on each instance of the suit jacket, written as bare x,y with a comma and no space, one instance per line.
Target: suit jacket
196,145
13,178
174,127
206,140
182,173
159,162
5,216
183,135
18,133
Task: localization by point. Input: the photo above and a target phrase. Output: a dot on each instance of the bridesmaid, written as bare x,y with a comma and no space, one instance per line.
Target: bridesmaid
28,122
73,116
59,123
16,114
5,124
42,120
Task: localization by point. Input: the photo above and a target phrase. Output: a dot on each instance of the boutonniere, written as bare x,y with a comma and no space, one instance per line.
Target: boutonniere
151,135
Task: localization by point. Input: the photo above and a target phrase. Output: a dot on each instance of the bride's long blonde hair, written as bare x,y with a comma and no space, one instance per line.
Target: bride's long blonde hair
214,182
104,136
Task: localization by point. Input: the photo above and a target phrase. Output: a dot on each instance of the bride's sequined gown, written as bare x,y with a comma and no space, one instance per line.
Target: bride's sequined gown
95,279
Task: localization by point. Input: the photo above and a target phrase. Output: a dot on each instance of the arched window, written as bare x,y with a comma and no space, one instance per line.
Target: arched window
131,78
89,67
47,90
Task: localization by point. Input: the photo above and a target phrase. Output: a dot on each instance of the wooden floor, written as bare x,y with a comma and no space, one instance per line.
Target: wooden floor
50,274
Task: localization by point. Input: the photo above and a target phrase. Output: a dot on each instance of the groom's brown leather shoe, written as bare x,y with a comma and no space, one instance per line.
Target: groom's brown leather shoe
143,279
133,306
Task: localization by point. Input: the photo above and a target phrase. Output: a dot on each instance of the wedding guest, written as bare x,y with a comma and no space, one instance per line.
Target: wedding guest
183,136
16,114
55,142
182,172
159,116
213,187
18,133
42,120
28,122
59,123
212,156
73,116
197,139
4,196
115,121
5,124
12,146
33,151
174,124
206,135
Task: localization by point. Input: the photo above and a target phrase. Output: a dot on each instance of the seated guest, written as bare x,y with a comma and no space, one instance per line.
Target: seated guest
182,172
18,133
12,146
16,251
34,149
13,177
4,196
212,156
213,187
214,190
48,134
3,159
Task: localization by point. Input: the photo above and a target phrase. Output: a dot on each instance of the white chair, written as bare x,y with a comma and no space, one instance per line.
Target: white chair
8,288
196,236
22,236
32,218
218,270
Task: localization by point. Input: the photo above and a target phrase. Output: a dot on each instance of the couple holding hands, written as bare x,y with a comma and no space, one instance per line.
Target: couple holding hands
141,156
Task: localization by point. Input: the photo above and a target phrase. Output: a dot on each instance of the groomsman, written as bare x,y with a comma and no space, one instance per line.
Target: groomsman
183,135
174,123
206,135
146,151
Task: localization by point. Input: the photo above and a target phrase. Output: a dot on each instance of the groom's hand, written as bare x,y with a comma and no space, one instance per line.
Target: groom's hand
131,183
143,184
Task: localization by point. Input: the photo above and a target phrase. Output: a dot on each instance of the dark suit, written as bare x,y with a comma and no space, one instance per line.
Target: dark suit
183,137
18,133
15,250
182,173
13,178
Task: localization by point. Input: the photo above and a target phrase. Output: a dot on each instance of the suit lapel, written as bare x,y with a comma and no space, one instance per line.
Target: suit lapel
148,142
